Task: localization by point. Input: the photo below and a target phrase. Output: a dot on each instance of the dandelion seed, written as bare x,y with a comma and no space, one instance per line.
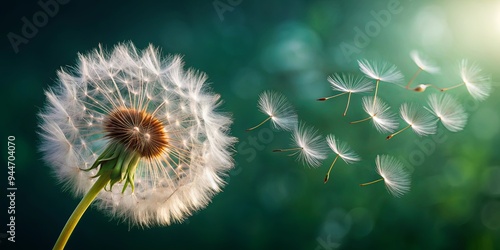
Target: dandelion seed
383,119
156,146
348,84
422,122
423,64
342,150
477,83
423,87
278,109
448,110
395,176
308,146
380,72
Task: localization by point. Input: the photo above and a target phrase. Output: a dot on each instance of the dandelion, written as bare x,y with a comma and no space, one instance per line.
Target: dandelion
278,109
395,176
383,119
423,64
448,110
380,71
422,122
342,150
477,83
348,84
308,146
139,127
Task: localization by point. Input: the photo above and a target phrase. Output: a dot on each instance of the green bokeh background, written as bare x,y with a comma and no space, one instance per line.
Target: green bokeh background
271,201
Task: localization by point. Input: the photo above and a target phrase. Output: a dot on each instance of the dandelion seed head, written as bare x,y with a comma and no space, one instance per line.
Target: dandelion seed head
423,62
381,71
448,110
312,149
421,121
138,131
384,120
477,83
276,106
154,108
396,177
342,150
350,83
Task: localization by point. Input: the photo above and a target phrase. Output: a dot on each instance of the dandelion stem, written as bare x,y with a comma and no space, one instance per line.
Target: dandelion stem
430,85
348,102
452,87
395,133
286,149
371,182
329,170
413,77
362,120
376,91
333,96
260,124
80,209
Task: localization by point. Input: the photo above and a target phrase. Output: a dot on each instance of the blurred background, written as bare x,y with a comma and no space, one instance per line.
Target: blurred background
271,201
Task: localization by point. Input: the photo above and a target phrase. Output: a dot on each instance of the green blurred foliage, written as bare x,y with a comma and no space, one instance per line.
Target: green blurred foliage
271,201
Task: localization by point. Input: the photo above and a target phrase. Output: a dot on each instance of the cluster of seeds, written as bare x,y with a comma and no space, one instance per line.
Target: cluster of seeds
311,148
145,121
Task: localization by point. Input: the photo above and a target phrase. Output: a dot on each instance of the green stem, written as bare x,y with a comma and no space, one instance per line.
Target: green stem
452,87
395,133
430,85
333,96
348,102
376,91
80,209
330,170
287,149
258,125
362,120
371,182
413,78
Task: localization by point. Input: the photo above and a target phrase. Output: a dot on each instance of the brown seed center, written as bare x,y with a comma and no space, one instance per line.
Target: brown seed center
137,130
